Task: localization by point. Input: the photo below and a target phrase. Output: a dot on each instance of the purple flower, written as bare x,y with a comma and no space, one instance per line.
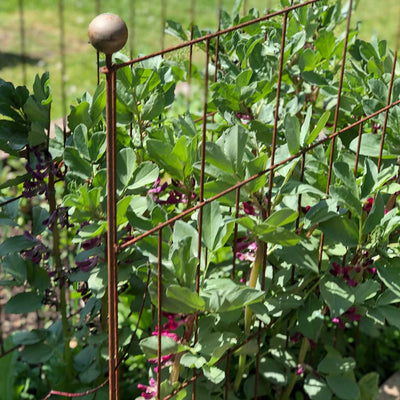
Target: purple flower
38,252
88,264
91,243
352,315
149,391
248,208
367,207
246,249
339,322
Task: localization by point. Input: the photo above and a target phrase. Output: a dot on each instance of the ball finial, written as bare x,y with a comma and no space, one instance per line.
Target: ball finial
108,33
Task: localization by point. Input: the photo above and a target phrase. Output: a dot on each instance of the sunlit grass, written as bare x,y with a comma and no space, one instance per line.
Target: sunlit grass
42,27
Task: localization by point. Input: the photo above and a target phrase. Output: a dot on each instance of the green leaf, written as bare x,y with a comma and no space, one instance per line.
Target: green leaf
317,389
23,303
160,152
213,226
29,337
79,115
175,29
305,128
346,176
325,43
392,315
341,229
77,165
187,301
343,387
126,165
122,207
337,295
36,353
80,137
213,374
318,128
15,265
307,60
370,145
15,244
281,217
98,103
273,371
292,133
97,146
149,346
366,290
233,143
8,366
153,107
145,174
190,360
277,235
336,365
369,386
389,273
310,318
223,295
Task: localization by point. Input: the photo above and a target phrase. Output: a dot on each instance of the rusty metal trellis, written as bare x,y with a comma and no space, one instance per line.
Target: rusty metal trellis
236,188
113,248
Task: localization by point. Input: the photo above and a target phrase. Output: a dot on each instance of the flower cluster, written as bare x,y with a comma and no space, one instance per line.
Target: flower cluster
148,391
351,315
38,252
246,249
174,322
39,169
175,196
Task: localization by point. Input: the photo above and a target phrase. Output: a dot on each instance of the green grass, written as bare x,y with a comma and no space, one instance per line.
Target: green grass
42,29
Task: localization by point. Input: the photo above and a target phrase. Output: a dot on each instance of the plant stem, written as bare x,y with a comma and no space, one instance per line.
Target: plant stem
58,265
248,315
305,344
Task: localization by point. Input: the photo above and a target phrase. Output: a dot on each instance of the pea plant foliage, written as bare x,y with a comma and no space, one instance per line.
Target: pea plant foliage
293,292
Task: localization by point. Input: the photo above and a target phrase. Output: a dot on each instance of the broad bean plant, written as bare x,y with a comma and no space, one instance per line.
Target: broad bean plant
296,287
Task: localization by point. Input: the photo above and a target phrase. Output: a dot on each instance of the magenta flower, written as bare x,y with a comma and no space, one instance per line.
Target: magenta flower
248,208
149,391
88,264
246,249
368,205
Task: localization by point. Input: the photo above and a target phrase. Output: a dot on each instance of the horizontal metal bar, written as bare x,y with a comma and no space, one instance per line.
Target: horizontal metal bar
245,182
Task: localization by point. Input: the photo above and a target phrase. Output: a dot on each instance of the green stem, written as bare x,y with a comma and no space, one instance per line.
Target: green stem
58,265
248,315
305,344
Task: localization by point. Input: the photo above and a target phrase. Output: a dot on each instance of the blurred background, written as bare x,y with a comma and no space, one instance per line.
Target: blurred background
51,35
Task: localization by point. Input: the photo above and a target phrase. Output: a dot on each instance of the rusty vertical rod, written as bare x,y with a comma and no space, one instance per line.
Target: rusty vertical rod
163,20
335,123
203,156
339,95
235,234
159,312
360,129
112,230
217,41
132,14
63,68
22,38
191,50
276,118
387,111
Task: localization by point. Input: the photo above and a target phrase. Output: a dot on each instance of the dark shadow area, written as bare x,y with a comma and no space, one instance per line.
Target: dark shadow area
14,59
